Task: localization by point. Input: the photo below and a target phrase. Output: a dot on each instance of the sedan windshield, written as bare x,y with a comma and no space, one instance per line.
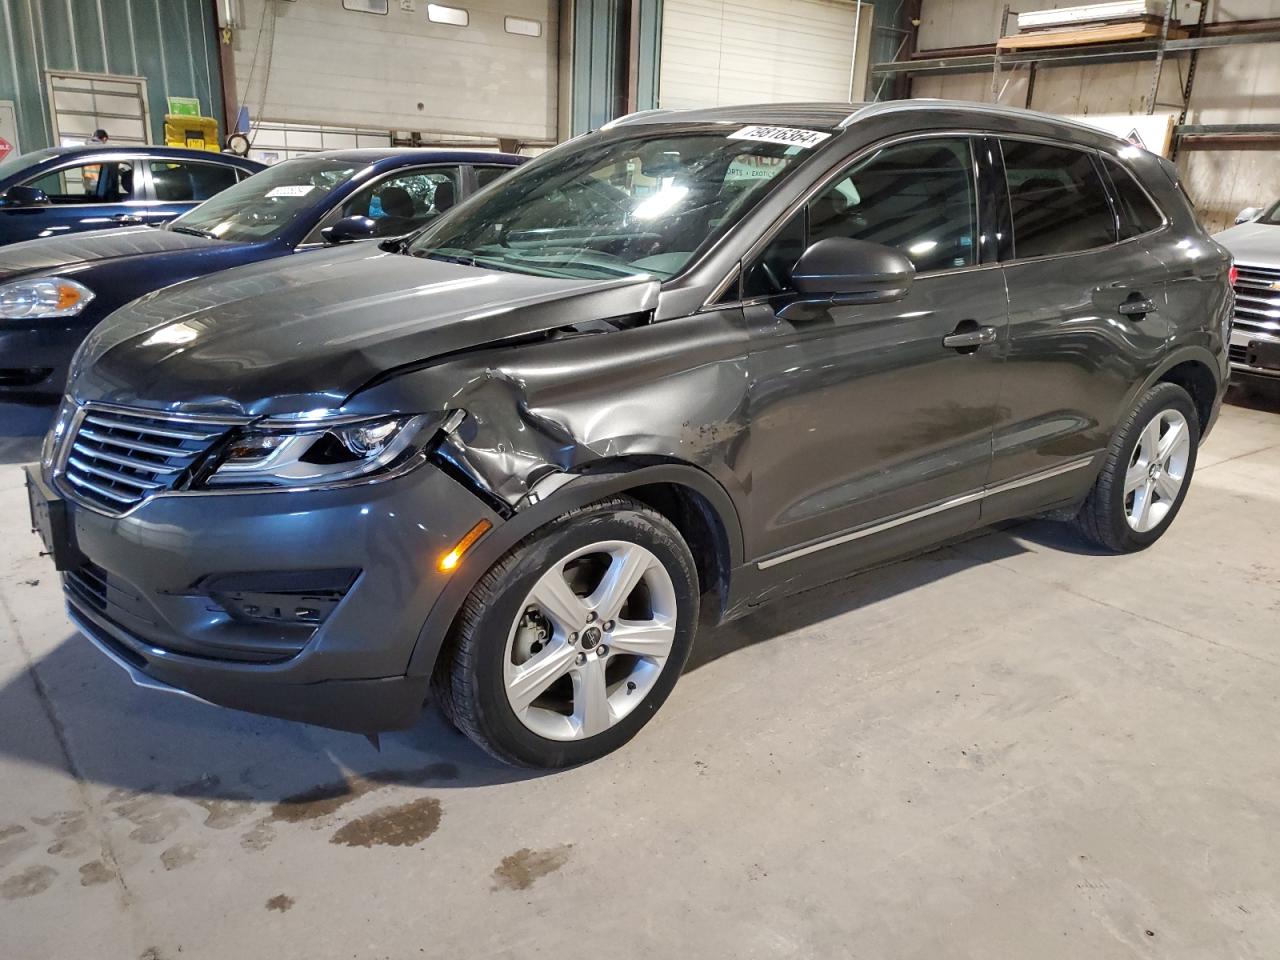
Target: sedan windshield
646,204
1272,217
260,207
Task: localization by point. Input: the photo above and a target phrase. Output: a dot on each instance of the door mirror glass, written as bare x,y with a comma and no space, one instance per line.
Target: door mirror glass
25,197
845,270
350,228
1244,216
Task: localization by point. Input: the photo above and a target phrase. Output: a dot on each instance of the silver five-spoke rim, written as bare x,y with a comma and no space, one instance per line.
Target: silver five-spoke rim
1157,470
590,640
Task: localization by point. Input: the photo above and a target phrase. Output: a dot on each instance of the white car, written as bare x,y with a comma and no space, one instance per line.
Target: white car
1254,242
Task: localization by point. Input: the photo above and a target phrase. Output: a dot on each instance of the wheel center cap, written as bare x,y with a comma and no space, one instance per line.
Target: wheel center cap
590,637
1153,471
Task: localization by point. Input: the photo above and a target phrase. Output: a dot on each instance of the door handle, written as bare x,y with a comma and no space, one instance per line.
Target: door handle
1136,306
969,339
126,218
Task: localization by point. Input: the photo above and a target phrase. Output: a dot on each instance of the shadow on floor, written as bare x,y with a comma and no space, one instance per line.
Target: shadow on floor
137,740
1255,394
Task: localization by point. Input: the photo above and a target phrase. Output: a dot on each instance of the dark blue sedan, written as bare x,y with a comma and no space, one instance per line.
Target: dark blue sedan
48,193
52,292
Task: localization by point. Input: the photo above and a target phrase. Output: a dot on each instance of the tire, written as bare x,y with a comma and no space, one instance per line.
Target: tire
503,637
1112,515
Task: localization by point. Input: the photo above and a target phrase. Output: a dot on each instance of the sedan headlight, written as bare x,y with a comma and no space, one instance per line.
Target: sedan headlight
312,455
43,297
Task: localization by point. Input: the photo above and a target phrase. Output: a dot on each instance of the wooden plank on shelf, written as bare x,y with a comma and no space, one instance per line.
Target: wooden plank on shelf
1081,36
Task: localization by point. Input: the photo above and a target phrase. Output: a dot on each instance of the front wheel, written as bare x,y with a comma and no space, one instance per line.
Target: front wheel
570,643
1146,474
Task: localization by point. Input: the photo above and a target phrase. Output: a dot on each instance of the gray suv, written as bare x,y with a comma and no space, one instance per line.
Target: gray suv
707,357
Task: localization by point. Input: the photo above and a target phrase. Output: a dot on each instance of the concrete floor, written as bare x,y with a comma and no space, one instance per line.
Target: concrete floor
1009,748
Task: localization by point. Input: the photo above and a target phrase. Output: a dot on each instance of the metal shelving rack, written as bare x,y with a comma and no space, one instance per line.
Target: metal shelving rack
1188,136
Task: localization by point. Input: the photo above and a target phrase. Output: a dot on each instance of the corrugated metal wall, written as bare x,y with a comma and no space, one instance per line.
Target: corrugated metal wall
172,43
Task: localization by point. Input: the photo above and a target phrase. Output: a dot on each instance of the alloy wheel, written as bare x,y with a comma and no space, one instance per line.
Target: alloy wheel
1157,470
590,641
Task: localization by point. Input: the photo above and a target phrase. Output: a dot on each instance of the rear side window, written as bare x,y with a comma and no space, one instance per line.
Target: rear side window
1058,200
1138,214
177,181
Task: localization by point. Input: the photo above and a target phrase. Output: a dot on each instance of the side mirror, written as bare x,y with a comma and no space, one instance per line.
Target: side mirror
1247,214
844,270
350,228
25,197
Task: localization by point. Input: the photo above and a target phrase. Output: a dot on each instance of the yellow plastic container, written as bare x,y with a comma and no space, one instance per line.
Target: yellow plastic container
196,133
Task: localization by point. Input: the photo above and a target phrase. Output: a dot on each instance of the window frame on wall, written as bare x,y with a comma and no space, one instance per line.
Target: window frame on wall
433,8
386,7
537,24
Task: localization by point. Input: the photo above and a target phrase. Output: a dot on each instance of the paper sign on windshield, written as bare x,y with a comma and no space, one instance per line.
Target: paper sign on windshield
291,190
789,136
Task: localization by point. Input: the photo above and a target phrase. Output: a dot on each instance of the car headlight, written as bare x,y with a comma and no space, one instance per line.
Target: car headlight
315,455
43,297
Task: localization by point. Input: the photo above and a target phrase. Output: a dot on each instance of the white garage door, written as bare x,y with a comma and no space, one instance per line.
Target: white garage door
718,52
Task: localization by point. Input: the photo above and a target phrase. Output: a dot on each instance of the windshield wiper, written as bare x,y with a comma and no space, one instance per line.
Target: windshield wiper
194,232
449,258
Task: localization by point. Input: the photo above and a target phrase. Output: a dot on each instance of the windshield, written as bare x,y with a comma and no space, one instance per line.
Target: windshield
261,206
20,161
1272,217
613,207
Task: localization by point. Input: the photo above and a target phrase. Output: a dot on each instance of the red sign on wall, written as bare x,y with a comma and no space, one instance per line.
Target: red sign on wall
5,148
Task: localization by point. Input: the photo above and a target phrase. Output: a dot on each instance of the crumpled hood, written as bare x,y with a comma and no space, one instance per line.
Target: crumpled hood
290,337
55,254
1253,243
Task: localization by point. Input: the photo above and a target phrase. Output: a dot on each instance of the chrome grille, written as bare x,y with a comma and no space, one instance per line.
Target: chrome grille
116,458
1257,300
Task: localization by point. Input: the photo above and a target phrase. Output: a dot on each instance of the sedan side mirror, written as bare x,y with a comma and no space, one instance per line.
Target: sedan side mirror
844,270
350,228
1247,214
25,197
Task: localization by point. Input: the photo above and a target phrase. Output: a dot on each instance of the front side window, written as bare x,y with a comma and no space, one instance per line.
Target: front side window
1138,215
640,204
266,203
918,197
177,181
1058,201
88,183
400,203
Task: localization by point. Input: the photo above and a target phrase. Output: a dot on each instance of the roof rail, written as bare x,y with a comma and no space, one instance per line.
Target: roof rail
990,109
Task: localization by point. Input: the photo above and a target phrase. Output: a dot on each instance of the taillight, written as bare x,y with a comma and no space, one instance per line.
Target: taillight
1234,274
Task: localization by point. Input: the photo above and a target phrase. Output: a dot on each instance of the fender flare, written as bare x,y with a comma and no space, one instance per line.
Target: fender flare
603,481
1178,356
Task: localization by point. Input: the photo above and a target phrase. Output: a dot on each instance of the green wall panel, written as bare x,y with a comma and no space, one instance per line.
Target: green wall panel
172,43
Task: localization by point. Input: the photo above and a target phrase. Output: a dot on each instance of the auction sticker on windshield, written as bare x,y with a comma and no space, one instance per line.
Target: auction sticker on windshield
291,190
789,136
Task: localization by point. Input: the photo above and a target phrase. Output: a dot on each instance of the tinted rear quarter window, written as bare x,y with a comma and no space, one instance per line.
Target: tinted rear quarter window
177,181
1138,214
1058,200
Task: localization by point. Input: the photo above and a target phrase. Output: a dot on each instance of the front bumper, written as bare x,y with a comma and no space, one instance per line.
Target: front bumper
139,589
34,359
1240,340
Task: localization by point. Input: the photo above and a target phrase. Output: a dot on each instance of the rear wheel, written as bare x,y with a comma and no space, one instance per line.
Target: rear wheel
1146,474
570,643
